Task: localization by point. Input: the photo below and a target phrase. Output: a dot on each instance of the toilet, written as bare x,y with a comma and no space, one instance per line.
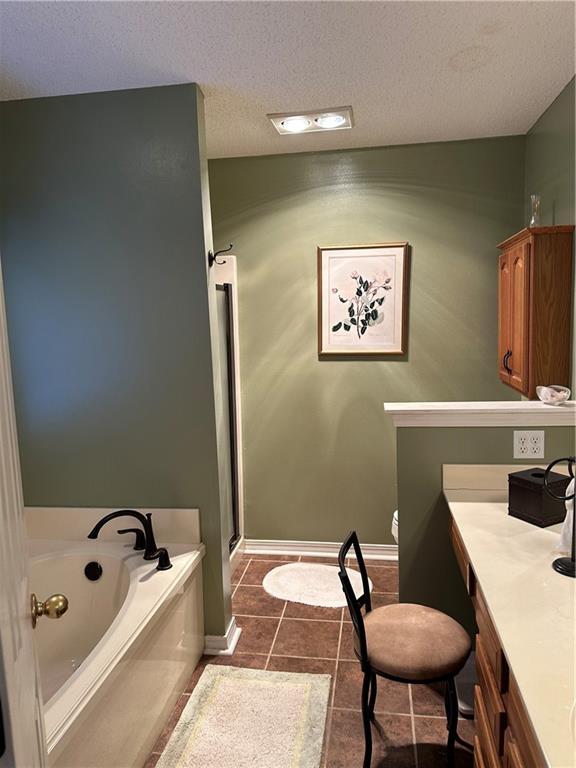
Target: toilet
395,526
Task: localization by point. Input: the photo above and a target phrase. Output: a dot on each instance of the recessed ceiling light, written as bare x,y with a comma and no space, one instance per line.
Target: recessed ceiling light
330,121
295,124
334,119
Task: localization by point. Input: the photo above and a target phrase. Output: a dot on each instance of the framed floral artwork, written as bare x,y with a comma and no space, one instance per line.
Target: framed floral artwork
362,299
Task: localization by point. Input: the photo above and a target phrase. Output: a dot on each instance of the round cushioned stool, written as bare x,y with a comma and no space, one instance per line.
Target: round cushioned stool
404,642
413,642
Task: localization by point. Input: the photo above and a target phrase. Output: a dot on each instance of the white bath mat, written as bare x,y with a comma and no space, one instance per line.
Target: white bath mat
311,584
248,718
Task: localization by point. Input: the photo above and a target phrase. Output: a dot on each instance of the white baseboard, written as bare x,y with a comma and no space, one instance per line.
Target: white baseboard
236,553
315,548
223,645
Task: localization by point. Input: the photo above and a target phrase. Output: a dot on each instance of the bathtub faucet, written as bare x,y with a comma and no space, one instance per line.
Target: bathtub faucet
151,551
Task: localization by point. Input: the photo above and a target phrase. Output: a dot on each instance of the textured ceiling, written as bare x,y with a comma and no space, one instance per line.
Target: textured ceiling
413,71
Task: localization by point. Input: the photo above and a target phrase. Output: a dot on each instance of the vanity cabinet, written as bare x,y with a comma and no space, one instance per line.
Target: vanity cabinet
504,735
535,308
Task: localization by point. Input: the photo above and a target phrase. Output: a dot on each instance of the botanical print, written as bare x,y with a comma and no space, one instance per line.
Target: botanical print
362,299
364,308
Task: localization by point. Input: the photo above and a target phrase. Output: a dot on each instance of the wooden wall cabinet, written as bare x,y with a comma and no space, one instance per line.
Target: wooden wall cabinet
535,283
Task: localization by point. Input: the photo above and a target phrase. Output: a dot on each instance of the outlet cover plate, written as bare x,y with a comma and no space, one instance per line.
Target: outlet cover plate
529,444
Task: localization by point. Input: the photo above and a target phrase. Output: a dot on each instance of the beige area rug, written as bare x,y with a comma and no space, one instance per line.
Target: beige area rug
311,584
248,718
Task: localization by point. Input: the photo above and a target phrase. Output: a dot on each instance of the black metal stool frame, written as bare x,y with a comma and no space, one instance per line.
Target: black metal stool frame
369,685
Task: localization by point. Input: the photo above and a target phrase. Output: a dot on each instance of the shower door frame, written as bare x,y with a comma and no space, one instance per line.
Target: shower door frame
227,289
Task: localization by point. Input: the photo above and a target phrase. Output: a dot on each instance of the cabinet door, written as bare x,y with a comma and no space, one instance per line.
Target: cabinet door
478,758
512,757
504,298
486,743
518,361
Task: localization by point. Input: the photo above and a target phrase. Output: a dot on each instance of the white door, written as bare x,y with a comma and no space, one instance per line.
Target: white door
22,741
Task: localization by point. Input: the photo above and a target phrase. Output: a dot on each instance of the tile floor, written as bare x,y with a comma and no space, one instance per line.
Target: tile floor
410,731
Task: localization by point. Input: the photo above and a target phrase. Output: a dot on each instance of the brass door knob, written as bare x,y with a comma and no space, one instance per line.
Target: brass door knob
54,607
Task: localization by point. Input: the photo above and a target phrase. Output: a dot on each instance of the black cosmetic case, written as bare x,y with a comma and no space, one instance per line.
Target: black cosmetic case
529,501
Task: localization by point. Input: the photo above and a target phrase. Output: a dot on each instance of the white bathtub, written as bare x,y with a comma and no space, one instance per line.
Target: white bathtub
114,665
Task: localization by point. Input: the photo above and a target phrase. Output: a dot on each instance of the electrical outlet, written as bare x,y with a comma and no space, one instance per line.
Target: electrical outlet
528,444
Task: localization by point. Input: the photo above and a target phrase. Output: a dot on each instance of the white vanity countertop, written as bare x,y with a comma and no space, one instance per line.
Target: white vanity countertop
492,413
533,610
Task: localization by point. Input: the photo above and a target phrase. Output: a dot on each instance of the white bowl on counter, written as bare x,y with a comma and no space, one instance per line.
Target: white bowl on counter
553,394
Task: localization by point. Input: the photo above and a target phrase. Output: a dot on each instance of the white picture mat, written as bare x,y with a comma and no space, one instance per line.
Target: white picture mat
336,267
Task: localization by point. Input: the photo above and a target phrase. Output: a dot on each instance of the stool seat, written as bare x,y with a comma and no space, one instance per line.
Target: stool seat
413,642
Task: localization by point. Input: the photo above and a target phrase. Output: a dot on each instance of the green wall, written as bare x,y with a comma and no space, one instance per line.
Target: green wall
550,160
550,171
105,227
319,452
428,570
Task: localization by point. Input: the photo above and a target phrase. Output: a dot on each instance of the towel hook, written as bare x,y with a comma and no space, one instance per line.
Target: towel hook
213,257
